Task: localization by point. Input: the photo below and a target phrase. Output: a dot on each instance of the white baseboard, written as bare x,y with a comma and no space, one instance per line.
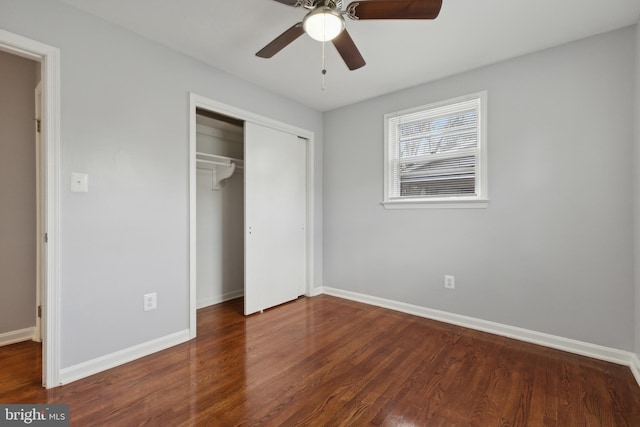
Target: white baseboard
13,337
635,367
206,302
315,292
595,351
91,367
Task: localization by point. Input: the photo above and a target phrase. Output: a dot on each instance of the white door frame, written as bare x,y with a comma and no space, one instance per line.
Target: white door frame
37,336
49,59
197,101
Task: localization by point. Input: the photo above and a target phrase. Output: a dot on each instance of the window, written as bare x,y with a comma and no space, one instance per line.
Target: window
435,155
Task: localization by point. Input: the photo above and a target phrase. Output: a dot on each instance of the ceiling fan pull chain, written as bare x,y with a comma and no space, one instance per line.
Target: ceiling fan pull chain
324,68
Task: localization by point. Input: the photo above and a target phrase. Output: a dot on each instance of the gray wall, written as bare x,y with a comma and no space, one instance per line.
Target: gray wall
220,225
17,193
553,250
125,123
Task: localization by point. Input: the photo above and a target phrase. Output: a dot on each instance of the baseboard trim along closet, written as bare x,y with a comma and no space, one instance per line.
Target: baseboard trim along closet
314,292
206,302
635,367
13,337
595,351
102,363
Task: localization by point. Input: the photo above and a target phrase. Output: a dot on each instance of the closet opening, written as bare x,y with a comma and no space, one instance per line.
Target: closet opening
219,208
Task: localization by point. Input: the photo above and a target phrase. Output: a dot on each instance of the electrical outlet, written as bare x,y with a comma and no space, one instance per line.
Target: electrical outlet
449,282
150,301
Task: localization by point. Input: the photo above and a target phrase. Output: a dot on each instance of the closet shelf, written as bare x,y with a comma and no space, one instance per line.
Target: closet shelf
221,167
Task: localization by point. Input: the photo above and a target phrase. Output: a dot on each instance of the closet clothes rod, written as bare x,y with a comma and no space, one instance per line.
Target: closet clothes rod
223,162
217,157
211,162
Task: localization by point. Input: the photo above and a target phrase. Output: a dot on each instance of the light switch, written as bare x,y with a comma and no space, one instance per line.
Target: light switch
79,182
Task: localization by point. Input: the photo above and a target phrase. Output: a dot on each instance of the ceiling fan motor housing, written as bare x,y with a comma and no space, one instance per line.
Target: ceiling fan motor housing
323,23
312,4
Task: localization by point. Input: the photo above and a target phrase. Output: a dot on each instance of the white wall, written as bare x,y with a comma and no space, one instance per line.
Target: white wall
553,251
17,193
125,123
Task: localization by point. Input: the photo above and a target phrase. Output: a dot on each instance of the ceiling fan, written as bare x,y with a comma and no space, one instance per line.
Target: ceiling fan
325,22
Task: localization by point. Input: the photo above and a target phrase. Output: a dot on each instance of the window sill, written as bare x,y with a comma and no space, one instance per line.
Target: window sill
437,204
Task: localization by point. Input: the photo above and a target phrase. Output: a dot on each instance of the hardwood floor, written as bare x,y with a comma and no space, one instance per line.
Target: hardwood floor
325,361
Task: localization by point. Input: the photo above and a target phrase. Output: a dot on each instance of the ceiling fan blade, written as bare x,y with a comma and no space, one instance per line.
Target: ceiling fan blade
394,9
289,2
282,41
348,51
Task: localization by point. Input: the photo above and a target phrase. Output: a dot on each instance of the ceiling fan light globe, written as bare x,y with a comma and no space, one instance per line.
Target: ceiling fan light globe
323,24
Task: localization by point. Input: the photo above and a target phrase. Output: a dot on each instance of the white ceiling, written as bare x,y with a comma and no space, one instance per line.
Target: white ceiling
399,54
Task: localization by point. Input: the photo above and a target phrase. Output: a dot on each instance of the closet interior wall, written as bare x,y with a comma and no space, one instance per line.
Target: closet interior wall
219,210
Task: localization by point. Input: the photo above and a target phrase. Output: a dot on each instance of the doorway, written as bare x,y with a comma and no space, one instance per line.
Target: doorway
301,137
19,161
49,198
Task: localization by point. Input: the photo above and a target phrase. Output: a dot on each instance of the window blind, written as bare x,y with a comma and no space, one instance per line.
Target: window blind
435,152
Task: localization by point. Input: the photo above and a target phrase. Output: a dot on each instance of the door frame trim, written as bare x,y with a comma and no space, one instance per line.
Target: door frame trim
40,244
197,101
49,59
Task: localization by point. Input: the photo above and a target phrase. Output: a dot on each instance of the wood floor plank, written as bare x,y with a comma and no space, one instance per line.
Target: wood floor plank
544,408
325,361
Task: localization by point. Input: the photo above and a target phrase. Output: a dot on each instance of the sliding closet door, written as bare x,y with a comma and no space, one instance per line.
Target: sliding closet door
275,215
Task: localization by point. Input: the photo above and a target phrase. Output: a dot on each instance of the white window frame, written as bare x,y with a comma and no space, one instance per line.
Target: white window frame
479,200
